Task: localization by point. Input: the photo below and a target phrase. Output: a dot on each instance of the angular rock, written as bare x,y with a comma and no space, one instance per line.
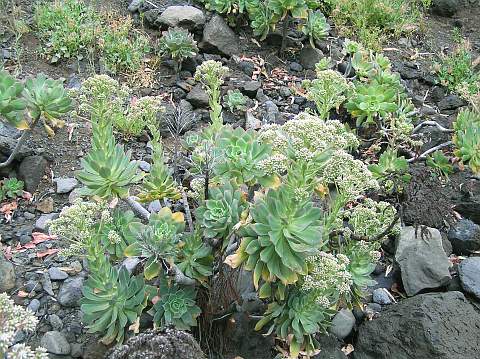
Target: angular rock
464,237
57,274
34,305
451,102
342,324
218,37
446,8
198,97
422,259
55,343
42,222
380,296
469,273
7,275
65,185
330,348
432,325
188,17
134,6
31,171
70,292
250,88
8,140
309,57
55,322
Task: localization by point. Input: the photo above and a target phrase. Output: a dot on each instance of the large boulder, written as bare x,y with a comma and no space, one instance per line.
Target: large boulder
446,8
218,37
465,237
310,56
469,273
432,325
188,17
70,292
7,275
422,259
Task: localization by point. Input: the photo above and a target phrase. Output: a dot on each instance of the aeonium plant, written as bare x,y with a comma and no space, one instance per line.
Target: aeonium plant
24,105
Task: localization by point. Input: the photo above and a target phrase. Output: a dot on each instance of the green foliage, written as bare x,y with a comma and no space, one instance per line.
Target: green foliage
262,17
107,170
44,98
115,231
195,257
158,184
391,171
283,8
235,101
283,234
157,240
211,75
12,104
179,44
440,164
467,139
240,154
299,317
372,22
47,99
10,188
316,27
111,300
176,307
371,102
456,69
327,91
122,48
221,212
67,28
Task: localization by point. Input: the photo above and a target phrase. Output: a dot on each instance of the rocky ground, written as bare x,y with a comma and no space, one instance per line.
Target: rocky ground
426,303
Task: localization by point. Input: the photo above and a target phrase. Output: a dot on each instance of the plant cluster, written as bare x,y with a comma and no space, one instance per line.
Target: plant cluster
467,138
10,188
287,202
235,101
102,97
14,319
74,29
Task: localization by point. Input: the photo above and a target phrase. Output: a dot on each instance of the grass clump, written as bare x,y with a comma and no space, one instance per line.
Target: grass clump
372,22
456,70
73,29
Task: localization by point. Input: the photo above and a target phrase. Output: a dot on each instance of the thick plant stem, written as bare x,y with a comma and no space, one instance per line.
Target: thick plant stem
19,145
286,23
137,208
433,149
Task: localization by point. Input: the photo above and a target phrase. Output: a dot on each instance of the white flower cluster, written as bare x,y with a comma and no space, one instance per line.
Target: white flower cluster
197,186
367,249
370,218
211,72
14,318
143,111
276,163
76,224
328,277
351,177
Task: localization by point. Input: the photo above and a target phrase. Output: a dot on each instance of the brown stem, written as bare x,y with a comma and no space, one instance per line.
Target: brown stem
286,23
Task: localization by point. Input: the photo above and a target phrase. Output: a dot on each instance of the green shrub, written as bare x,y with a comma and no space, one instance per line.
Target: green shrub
179,44
316,27
467,139
235,101
10,188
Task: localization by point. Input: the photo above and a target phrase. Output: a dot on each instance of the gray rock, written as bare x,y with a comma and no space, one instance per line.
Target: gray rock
465,237
469,273
55,343
144,166
273,113
70,292
74,195
219,37
188,17
451,102
134,6
330,348
432,325
250,88
295,66
309,57
284,91
446,8
130,263
422,259
55,322
42,222
154,206
8,140
77,350
7,275
31,171
342,324
34,305
198,97
65,185
57,274
380,296
47,284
